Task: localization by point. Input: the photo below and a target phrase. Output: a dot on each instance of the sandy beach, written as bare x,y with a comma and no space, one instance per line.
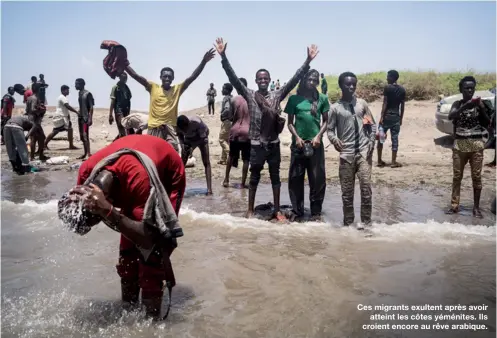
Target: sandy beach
425,153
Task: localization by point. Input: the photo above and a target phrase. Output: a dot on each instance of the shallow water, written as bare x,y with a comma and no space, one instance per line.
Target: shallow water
245,278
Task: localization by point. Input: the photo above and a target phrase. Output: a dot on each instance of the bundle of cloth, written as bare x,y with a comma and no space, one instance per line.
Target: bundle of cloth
116,60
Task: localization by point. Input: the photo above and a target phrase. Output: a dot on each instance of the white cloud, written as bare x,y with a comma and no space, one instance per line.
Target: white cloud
87,63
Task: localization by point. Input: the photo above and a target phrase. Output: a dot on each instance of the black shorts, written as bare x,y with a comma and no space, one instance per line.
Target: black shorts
121,112
236,147
62,128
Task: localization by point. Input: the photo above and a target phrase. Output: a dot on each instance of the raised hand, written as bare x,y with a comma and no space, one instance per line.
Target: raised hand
208,56
312,51
220,46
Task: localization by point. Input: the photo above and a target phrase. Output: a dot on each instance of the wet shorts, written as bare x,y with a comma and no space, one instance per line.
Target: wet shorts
237,147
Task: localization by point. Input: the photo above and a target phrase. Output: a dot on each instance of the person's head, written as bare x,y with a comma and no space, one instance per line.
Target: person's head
42,77
348,83
11,90
64,90
80,84
262,79
392,76
309,81
71,209
182,123
19,89
123,78
35,88
33,79
467,87
167,77
211,85
227,89
322,75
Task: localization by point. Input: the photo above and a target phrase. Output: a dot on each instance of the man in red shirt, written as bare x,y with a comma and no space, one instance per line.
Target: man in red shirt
118,195
27,93
8,102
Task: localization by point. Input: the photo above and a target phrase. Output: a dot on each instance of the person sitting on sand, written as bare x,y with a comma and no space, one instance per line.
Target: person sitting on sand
114,186
193,133
226,117
352,131
85,117
8,103
164,99
265,123
62,112
120,105
470,119
136,121
239,138
15,143
307,121
392,114
35,110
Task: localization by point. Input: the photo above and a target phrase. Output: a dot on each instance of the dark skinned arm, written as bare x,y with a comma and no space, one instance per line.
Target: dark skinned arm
291,128
68,106
196,73
324,125
283,92
234,80
457,108
140,79
384,109
135,231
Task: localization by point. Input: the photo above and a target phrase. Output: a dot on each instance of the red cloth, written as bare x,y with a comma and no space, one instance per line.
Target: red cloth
7,105
27,94
116,60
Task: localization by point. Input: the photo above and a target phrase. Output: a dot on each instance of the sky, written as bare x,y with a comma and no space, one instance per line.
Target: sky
62,40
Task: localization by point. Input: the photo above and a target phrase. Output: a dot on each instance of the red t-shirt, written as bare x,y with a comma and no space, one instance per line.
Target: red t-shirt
7,105
133,189
27,94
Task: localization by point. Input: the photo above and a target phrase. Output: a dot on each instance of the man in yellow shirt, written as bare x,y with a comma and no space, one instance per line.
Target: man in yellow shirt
164,99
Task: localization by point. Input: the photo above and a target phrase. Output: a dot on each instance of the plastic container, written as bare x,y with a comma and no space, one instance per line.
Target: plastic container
381,134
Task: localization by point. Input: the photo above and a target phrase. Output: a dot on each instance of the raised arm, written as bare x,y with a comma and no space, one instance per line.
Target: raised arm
234,80
311,54
140,79
207,57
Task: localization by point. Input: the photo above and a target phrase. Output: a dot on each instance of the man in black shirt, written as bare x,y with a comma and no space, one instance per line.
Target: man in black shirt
120,105
392,114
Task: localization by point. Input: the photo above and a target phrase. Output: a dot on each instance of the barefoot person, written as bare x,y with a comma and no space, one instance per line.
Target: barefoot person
15,143
35,110
470,119
392,114
135,186
120,105
62,113
226,117
211,99
193,133
324,85
307,121
85,118
266,123
8,103
164,99
239,138
352,131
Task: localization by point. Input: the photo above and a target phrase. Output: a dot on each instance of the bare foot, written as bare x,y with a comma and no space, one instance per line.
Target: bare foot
226,184
477,213
73,148
82,157
244,186
249,214
452,211
396,165
209,192
381,164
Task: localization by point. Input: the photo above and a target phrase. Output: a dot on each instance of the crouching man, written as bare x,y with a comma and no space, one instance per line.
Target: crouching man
135,186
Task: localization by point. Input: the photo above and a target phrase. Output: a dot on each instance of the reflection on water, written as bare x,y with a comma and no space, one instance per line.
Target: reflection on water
243,278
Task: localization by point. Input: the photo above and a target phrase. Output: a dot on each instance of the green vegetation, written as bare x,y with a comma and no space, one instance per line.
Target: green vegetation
419,85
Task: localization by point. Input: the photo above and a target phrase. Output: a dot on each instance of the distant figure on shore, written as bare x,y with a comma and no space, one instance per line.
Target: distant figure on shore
15,143
8,103
193,133
352,131
226,117
85,118
136,121
307,122
35,110
273,86
43,88
277,84
164,99
324,85
120,105
34,79
392,114
135,186
471,120
239,138
211,99
266,123
62,119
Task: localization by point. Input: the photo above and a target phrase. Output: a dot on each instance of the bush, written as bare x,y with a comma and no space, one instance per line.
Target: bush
420,85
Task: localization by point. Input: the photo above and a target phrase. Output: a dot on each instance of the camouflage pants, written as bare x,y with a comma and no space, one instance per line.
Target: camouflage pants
224,135
361,168
460,159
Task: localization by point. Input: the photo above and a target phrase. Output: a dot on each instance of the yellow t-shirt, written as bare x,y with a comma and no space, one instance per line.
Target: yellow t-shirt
163,105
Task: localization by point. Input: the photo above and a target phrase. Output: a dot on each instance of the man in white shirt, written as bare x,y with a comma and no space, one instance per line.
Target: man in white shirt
61,119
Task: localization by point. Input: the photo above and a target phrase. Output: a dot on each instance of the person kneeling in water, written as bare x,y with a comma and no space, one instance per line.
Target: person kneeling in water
125,185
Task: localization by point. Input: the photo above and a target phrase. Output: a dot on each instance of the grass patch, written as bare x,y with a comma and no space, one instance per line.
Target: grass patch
419,85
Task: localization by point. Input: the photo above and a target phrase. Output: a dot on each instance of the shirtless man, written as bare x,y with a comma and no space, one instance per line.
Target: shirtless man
35,110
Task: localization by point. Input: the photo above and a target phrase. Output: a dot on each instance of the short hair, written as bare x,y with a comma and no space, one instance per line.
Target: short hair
468,78
166,69
229,87
393,74
182,121
64,87
10,88
244,81
322,74
33,78
80,80
263,70
211,84
342,77
41,75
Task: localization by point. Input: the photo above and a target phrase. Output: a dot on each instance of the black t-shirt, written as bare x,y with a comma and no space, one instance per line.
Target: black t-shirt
395,95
